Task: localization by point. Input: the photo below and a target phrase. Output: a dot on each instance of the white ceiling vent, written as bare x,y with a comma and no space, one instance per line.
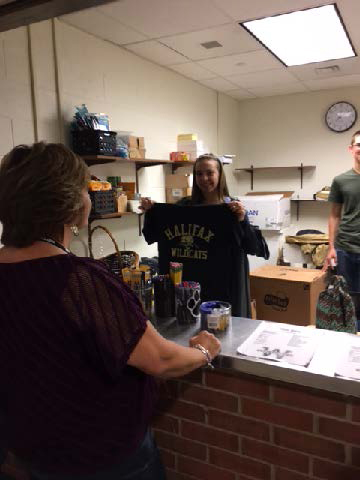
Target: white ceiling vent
212,44
327,71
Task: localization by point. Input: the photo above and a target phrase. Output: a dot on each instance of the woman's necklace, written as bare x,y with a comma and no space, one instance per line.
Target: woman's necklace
55,243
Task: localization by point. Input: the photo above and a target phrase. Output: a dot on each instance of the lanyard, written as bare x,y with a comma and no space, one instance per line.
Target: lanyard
55,243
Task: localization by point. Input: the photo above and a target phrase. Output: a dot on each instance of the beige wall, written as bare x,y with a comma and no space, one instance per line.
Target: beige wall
16,119
137,95
290,130
156,103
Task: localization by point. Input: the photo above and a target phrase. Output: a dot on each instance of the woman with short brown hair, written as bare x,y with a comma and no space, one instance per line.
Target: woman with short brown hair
77,353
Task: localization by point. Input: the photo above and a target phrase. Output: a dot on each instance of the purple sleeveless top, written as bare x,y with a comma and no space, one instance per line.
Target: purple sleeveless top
70,402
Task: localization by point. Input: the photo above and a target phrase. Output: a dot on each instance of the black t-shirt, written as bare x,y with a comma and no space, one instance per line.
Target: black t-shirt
202,238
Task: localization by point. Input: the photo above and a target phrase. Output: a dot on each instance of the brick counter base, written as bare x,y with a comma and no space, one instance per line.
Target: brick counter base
229,426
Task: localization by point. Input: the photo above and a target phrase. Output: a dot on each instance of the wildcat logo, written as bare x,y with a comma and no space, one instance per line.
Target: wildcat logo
188,249
189,253
278,302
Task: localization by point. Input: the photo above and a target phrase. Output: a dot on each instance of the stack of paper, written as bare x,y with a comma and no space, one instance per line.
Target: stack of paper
281,343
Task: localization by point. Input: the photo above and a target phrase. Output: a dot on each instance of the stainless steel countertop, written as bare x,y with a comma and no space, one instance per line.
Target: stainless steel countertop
319,373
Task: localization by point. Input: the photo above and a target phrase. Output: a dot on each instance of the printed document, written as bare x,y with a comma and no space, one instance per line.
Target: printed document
281,343
349,359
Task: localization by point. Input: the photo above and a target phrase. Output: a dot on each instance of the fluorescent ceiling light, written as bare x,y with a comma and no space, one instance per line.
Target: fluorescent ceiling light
307,36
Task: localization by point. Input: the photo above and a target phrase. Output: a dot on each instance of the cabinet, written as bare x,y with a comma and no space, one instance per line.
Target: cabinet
252,171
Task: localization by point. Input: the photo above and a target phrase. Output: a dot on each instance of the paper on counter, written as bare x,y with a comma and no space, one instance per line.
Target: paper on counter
349,359
282,343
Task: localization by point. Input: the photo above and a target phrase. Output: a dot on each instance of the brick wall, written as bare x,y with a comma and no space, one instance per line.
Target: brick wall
229,426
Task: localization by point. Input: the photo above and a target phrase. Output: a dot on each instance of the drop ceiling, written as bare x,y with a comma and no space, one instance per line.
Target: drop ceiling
172,33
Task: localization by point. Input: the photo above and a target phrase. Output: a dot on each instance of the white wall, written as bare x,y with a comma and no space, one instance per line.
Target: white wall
16,119
146,99
139,96
290,130
158,104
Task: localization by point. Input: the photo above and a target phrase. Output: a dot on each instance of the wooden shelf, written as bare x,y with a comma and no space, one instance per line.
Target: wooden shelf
252,169
139,162
298,200
147,162
298,167
176,165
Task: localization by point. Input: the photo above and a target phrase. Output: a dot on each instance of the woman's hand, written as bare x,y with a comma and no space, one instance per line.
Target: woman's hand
208,341
146,203
238,209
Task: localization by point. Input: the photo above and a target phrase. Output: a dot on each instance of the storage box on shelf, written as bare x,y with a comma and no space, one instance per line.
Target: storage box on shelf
90,142
177,187
102,202
268,210
136,145
194,148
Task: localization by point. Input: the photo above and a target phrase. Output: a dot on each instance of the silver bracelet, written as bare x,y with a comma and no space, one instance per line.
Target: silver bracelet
206,353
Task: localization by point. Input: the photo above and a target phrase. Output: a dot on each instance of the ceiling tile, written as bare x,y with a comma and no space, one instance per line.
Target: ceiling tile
250,10
278,76
232,38
241,63
156,52
157,18
219,84
269,90
94,22
240,94
193,70
334,82
350,12
347,66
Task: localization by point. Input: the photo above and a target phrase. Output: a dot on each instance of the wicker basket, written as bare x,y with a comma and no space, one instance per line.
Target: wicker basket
118,260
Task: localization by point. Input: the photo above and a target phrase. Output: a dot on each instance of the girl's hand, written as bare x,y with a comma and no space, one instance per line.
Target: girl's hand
146,203
238,209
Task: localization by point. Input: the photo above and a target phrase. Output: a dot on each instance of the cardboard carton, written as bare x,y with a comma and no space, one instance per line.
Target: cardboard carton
185,137
128,187
173,195
122,203
136,152
286,294
132,141
178,181
268,210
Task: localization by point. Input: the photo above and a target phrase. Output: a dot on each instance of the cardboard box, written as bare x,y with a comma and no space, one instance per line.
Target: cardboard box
190,145
132,141
286,294
178,181
194,148
128,187
122,203
136,152
185,137
268,210
173,195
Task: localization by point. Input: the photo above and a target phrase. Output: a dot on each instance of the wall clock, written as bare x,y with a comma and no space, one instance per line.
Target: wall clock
341,116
